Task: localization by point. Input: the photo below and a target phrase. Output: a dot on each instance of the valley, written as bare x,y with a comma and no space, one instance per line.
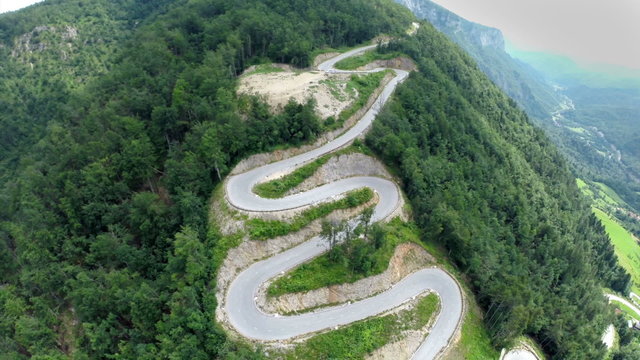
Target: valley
221,179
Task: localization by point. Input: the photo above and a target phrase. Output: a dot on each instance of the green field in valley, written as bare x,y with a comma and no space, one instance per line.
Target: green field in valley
626,246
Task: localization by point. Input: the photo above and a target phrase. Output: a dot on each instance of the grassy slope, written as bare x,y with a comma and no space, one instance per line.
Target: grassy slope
355,62
361,338
626,247
278,187
628,312
475,342
365,86
321,271
260,229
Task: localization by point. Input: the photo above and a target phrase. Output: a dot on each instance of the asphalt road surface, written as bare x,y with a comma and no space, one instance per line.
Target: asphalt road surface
241,307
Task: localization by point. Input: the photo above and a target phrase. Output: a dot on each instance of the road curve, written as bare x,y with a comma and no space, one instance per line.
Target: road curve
241,308
624,301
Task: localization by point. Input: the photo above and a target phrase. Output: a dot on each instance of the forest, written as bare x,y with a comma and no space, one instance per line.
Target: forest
110,153
105,249
492,189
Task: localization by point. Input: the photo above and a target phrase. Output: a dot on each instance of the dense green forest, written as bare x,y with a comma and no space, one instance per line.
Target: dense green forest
491,188
50,50
110,151
105,249
589,121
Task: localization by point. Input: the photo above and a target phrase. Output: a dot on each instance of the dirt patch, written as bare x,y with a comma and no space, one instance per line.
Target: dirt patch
400,62
266,158
407,258
328,90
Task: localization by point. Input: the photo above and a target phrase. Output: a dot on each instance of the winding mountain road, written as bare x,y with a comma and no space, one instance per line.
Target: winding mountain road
624,301
243,313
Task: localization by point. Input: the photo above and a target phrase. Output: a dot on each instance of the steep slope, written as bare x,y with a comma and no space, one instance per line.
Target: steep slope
105,247
51,49
590,115
487,46
491,187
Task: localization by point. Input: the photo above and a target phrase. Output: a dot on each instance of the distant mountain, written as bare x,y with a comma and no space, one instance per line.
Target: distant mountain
564,70
121,118
487,46
590,113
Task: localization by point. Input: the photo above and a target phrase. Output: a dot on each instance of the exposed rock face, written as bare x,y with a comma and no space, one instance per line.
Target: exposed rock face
487,46
42,38
449,22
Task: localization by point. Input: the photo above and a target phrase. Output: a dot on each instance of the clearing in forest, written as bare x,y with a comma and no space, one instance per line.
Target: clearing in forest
330,91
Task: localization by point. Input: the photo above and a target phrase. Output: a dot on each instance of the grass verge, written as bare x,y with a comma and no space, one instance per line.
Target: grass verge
355,62
278,187
260,229
322,271
628,312
361,338
365,85
475,342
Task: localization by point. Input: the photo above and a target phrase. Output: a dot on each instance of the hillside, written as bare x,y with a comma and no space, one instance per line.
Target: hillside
584,112
49,51
455,175
487,46
106,245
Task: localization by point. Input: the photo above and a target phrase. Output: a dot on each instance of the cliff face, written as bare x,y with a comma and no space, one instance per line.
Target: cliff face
486,45
450,23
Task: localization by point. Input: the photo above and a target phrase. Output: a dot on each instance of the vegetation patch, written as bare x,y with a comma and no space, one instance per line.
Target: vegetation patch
625,246
355,62
265,69
627,311
260,229
355,260
361,338
278,187
365,86
475,342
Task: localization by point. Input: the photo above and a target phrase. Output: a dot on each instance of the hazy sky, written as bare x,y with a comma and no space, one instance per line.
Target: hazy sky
10,5
602,31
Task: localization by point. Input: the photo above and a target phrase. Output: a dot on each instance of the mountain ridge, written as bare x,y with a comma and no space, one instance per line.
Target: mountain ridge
106,245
